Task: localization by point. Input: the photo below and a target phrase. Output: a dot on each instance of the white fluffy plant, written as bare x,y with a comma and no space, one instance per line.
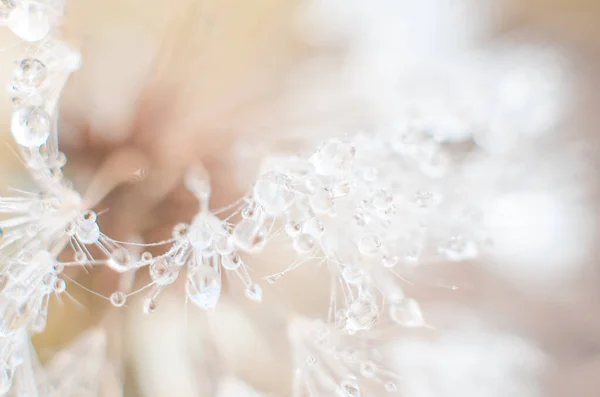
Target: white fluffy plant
369,206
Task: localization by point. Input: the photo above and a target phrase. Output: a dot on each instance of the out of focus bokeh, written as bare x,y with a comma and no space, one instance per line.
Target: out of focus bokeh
230,82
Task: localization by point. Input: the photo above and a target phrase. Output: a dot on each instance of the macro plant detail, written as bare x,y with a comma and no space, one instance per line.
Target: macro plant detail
370,207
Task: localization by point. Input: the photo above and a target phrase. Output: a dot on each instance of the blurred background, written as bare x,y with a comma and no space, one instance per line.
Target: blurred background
189,80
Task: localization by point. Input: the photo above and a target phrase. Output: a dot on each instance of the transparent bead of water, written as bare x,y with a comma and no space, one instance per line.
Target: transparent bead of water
369,245
348,388
321,201
163,271
352,275
149,305
390,387
201,234
334,157
382,200
118,298
313,227
203,287
368,369
254,292
88,231
146,256
344,188
231,261
250,235
29,21
31,126
224,244
389,261
362,315
292,228
180,231
60,285
120,260
304,243
30,74
274,193
407,313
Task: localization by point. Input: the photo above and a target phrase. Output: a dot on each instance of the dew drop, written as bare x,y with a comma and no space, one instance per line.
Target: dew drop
348,388
369,245
231,261
333,157
254,293
118,298
407,313
321,201
150,305
368,369
120,260
390,387
30,74
250,235
30,126
60,286
163,272
29,21
303,243
203,287
274,193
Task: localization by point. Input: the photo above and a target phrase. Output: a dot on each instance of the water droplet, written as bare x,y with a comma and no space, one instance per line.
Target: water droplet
303,243
313,227
29,21
311,360
407,313
389,261
333,157
30,74
348,388
369,245
60,286
203,287
120,260
254,292
344,189
231,261
30,126
118,298
458,249
163,272
390,387
361,315
368,369
292,228
250,235
180,231
224,244
274,193
150,305
321,201
146,256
